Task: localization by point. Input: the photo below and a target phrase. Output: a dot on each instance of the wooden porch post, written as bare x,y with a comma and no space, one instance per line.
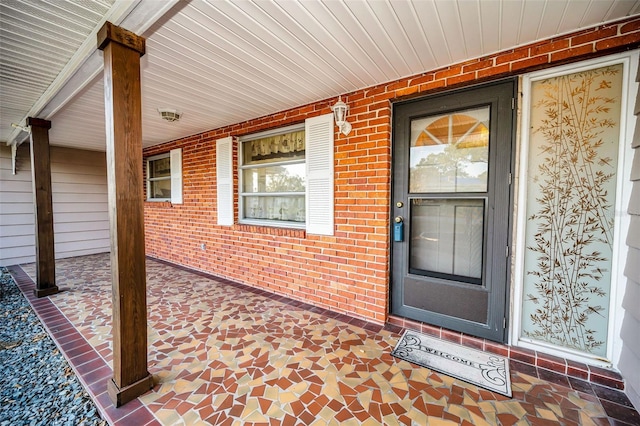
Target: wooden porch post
43,206
123,113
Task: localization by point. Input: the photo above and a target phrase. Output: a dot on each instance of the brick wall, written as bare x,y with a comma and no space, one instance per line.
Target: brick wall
348,272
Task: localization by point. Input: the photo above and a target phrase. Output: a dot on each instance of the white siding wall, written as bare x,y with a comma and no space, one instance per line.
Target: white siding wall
629,364
80,215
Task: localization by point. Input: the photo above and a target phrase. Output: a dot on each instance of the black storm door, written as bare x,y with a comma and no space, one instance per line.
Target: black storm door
451,209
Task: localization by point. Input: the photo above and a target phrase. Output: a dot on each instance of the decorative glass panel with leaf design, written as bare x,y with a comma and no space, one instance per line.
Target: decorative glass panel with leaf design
571,189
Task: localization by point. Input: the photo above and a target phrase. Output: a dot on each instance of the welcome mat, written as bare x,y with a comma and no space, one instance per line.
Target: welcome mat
482,369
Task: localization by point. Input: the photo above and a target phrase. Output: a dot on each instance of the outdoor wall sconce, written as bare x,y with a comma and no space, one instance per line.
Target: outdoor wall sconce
169,114
340,116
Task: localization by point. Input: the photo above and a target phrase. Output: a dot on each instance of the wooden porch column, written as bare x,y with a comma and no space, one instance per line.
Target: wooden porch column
43,206
123,113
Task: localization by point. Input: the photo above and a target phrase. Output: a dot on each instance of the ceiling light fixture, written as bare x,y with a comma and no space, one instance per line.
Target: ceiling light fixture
340,116
169,114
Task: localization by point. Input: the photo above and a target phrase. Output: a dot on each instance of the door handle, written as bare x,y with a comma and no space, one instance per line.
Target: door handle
398,229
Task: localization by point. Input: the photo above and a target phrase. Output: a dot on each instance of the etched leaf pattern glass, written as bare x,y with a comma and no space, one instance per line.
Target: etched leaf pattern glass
572,163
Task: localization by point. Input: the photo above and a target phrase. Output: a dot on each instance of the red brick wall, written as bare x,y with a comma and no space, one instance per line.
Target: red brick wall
348,272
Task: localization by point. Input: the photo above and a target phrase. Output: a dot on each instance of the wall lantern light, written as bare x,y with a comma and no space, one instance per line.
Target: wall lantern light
340,116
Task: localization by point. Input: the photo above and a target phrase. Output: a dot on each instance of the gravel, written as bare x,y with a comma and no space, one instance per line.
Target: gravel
37,385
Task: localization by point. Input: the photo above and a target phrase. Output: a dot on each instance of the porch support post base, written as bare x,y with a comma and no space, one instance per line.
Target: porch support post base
120,396
44,292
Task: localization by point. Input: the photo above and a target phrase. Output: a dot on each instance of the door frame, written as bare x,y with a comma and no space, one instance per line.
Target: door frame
496,329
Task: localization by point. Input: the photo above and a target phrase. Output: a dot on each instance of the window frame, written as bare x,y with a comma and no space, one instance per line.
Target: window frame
242,167
149,179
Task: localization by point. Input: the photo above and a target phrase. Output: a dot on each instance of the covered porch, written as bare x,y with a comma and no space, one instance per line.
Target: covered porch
165,133
226,353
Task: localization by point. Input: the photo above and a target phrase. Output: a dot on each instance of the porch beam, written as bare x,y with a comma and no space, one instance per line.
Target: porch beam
43,207
123,115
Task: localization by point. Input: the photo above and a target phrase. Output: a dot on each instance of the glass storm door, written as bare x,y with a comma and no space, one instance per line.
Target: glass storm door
451,209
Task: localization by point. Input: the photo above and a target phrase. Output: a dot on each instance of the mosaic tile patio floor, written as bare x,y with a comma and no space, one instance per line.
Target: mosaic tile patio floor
222,353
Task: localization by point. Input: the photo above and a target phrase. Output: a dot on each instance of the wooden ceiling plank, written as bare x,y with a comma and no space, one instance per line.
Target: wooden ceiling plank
311,35
258,55
396,35
375,35
33,46
70,70
469,18
177,89
214,82
336,38
266,45
407,15
511,17
29,15
225,64
552,14
75,9
596,12
529,27
10,53
432,26
573,15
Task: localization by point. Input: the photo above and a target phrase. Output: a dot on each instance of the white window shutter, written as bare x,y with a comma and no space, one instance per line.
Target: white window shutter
175,159
319,153
224,178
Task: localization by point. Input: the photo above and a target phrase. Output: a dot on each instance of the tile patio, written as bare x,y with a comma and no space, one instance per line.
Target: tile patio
224,353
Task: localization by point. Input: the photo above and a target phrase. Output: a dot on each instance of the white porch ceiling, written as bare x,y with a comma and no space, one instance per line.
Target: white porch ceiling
221,62
37,40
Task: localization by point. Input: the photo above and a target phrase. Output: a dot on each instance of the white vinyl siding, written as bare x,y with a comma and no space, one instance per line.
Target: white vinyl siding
319,150
224,180
17,241
79,194
629,364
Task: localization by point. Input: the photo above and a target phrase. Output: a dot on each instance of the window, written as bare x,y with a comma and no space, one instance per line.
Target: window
570,206
159,178
285,177
273,178
164,177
